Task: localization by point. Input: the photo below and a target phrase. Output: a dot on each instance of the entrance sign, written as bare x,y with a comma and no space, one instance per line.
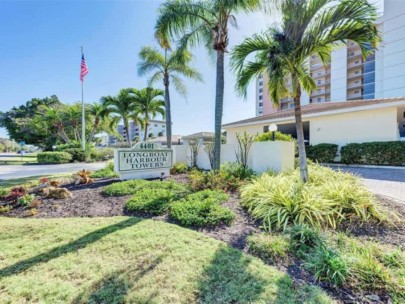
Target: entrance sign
144,160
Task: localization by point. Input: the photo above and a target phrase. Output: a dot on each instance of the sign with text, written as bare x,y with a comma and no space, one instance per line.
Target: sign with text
144,160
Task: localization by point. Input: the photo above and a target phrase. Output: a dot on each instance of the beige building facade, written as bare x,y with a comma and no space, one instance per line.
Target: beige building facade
334,122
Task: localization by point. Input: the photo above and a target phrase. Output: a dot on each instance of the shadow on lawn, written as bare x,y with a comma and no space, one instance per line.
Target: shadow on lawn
228,279
70,247
114,288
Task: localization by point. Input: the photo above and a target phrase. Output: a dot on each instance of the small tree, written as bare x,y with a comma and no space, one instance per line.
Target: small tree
194,146
245,141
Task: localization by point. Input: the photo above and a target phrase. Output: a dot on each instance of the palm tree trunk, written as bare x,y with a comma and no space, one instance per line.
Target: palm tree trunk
300,137
219,105
168,114
126,126
145,134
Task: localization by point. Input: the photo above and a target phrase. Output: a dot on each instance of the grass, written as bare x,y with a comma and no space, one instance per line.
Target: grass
122,259
106,172
30,181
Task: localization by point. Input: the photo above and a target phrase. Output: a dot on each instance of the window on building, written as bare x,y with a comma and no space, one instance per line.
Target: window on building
319,74
356,62
260,112
260,90
352,54
260,76
260,83
260,97
156,125
356,92
319,81
357,72
265,129
313,56
260,104
319,99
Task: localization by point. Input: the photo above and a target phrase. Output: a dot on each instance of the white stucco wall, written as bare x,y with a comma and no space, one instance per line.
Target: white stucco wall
352,127
253,129
277,156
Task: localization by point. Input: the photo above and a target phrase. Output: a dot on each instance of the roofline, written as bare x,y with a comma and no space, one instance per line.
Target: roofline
322,113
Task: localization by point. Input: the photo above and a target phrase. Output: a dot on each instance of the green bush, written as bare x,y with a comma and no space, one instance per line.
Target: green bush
327,199
229,178
268,136
53,157
179,168
70,145
322,153
303,240
237,171
133,186
78,155
106,172
153,201
202,209
102,154
374,153
372,266
327,266
268,246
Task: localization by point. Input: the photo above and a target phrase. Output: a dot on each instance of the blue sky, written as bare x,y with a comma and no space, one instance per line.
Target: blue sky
40,56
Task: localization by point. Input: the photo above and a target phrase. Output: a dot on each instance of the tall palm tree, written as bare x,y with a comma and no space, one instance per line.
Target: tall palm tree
122,108
203,22
308,27
167,67
147,105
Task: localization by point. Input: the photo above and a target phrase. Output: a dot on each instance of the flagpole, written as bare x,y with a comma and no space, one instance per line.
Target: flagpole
83,120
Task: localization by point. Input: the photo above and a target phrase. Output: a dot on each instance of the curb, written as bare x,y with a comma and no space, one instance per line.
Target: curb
363,166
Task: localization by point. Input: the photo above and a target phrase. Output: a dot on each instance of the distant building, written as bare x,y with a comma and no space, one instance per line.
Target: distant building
348,76
156,128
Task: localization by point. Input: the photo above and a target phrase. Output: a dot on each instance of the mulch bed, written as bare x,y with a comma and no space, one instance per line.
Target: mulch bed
88,201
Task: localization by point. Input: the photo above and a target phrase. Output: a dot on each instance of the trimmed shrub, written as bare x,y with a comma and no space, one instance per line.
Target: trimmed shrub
54,157
327,199
133,186
322,153
268,246
374,153
202,209
153,201
268,136
70,145
106,172
102,154
179,168
78,155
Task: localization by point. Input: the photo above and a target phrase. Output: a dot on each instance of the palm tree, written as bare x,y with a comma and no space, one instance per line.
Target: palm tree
203,22
169,68
122,106
308,27
99,115
147,106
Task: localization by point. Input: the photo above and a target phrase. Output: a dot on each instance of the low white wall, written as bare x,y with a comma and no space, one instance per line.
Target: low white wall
263,156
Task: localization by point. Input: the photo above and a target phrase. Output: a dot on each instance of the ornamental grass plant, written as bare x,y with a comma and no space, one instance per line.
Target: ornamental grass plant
328,199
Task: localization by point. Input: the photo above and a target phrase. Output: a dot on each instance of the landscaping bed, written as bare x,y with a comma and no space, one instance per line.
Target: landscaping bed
169,201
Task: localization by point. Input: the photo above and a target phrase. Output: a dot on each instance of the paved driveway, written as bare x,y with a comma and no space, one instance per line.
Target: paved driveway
18,171
388,182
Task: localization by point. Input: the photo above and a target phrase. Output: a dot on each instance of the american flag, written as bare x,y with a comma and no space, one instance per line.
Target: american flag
83,69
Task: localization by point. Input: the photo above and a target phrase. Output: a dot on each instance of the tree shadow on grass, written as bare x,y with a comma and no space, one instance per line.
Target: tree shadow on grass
114,288
64,249
228,280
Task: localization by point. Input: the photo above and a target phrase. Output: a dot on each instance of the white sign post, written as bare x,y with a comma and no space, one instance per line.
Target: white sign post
144,160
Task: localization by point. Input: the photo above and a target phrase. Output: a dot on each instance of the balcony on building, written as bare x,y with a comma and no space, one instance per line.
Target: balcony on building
320,92
354,94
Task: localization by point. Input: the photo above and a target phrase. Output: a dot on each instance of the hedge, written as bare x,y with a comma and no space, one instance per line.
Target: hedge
54,157
374,153
102,154
322,153
77,154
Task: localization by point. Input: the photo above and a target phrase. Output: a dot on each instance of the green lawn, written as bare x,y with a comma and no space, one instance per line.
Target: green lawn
129,260
31,180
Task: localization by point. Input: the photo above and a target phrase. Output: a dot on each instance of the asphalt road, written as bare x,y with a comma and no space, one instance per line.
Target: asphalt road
18,171
384,181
